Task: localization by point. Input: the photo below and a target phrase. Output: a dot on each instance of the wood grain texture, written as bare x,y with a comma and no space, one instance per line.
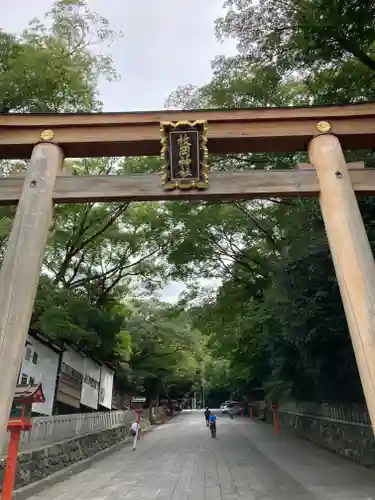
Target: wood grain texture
229,131
309,166
222,186
351,253
21,267
47,120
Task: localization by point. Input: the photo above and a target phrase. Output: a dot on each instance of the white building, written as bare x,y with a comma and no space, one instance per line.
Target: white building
70,380
90,385
40,364
106,387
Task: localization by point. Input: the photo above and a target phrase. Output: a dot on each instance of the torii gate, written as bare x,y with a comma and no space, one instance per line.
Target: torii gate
48,138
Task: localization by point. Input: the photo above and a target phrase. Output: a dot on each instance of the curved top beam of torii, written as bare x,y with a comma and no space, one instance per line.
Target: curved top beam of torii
229,131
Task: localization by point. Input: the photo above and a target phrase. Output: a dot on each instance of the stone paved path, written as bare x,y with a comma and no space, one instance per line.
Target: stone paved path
180,461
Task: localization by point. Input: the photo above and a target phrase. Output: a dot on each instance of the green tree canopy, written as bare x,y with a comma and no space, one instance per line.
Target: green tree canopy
99,256
277,318
54,67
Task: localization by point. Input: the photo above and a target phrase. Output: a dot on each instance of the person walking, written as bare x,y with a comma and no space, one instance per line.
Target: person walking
135,428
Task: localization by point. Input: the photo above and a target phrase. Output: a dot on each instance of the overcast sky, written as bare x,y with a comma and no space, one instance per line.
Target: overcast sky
166,43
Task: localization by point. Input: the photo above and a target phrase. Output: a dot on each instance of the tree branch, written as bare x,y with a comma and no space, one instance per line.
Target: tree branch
74,246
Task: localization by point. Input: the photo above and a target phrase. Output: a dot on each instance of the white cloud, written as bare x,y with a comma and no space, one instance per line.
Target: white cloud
166,43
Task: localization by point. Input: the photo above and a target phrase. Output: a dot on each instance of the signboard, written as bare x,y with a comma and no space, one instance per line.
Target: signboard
184,153
139,399
90,386
106,387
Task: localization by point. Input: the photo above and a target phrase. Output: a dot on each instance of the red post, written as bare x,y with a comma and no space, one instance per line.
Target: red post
10,470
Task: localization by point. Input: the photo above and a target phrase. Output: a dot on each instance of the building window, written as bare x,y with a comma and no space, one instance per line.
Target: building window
71,376
28,353
102,395
90,381
31,381
35,358
68,370
24,379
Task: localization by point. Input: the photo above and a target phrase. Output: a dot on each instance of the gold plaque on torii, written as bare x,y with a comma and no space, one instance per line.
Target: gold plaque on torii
184,153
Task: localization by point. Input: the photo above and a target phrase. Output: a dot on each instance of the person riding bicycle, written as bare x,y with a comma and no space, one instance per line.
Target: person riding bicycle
212,421
207,414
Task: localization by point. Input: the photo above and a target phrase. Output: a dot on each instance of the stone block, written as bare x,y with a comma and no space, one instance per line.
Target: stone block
353,441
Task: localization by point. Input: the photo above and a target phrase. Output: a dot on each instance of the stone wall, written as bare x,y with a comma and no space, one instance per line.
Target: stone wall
349,439
37,464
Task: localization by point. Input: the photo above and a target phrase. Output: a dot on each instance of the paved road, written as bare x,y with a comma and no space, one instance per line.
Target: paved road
180,461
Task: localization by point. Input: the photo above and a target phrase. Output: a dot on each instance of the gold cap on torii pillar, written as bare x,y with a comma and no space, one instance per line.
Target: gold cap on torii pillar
323,127
47,135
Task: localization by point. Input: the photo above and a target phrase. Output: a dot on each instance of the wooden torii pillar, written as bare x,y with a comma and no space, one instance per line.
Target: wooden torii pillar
20,270
351,254
44,137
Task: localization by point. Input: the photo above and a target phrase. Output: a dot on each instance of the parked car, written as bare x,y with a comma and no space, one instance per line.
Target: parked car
232,407
223,405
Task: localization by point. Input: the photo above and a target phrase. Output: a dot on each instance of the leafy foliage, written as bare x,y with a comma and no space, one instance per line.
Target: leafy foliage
324,41
277,318
99,256
55,69
167,350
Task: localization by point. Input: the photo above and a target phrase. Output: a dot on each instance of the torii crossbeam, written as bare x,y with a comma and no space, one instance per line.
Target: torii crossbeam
229,131
323,131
